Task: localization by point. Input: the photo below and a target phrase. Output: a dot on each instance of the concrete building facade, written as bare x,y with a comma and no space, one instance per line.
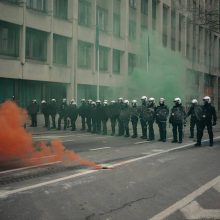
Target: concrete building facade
48,47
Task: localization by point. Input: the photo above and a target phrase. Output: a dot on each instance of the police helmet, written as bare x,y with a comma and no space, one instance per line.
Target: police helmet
64,100
106,100
34,101
152,100
72,101
126,102
83,100
134,102
194,101
105,103
144,98
207,99
162,100
43,101
53,100
113,102
120,100
177,100
93,103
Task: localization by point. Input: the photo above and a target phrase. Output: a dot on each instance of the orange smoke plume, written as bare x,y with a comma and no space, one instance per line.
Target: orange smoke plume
16,144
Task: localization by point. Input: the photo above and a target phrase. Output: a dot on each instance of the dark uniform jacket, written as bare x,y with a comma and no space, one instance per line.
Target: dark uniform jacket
161,113
112,110
53,108
177,115
209,113
83,110
63,110
134,113
45,108
72,111
125,113
33,108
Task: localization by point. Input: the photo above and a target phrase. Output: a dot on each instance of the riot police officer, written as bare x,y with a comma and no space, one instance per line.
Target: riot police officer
88,115
177,119
94,117
120,123
45,111
82,113
104,117
33,109
143,119
125,117
63,113
73,114
151,117
193,118
53,112
99,112
112,114
134,117
161,114
209,119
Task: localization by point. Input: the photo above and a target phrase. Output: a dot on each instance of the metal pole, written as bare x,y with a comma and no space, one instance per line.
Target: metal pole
98,73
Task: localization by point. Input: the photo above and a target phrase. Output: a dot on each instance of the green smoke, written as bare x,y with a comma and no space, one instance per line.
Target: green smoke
164,74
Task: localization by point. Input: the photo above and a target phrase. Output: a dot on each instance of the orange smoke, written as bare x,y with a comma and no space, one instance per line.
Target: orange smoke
16,144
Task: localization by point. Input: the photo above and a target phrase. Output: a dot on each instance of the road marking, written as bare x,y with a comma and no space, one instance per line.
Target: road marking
11,192
195,211
141,142
29,167
101,148
4,194
157,150
217,187
186,200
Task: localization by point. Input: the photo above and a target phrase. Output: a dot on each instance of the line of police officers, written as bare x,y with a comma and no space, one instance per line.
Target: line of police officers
94,116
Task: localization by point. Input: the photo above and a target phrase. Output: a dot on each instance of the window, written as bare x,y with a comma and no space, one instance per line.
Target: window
116,25
144,7
165,21
36,44
133,3
181,20
154,14
103,58
59,49
131,63
102,18
116,61
39,5
219,55
188,40
200,38
9,39
84,54
173,30
60,8
132,30
84,13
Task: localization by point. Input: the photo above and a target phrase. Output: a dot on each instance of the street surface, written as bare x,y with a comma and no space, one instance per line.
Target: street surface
144,180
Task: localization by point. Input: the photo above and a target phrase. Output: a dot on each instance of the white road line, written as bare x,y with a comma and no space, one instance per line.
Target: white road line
4,194
101,148
141,142
157,150
29,167
217,187
195,211
186,200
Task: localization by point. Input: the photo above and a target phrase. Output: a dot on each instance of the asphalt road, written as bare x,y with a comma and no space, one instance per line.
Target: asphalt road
145,180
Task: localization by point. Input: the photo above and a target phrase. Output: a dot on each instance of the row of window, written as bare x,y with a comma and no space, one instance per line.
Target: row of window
36,48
